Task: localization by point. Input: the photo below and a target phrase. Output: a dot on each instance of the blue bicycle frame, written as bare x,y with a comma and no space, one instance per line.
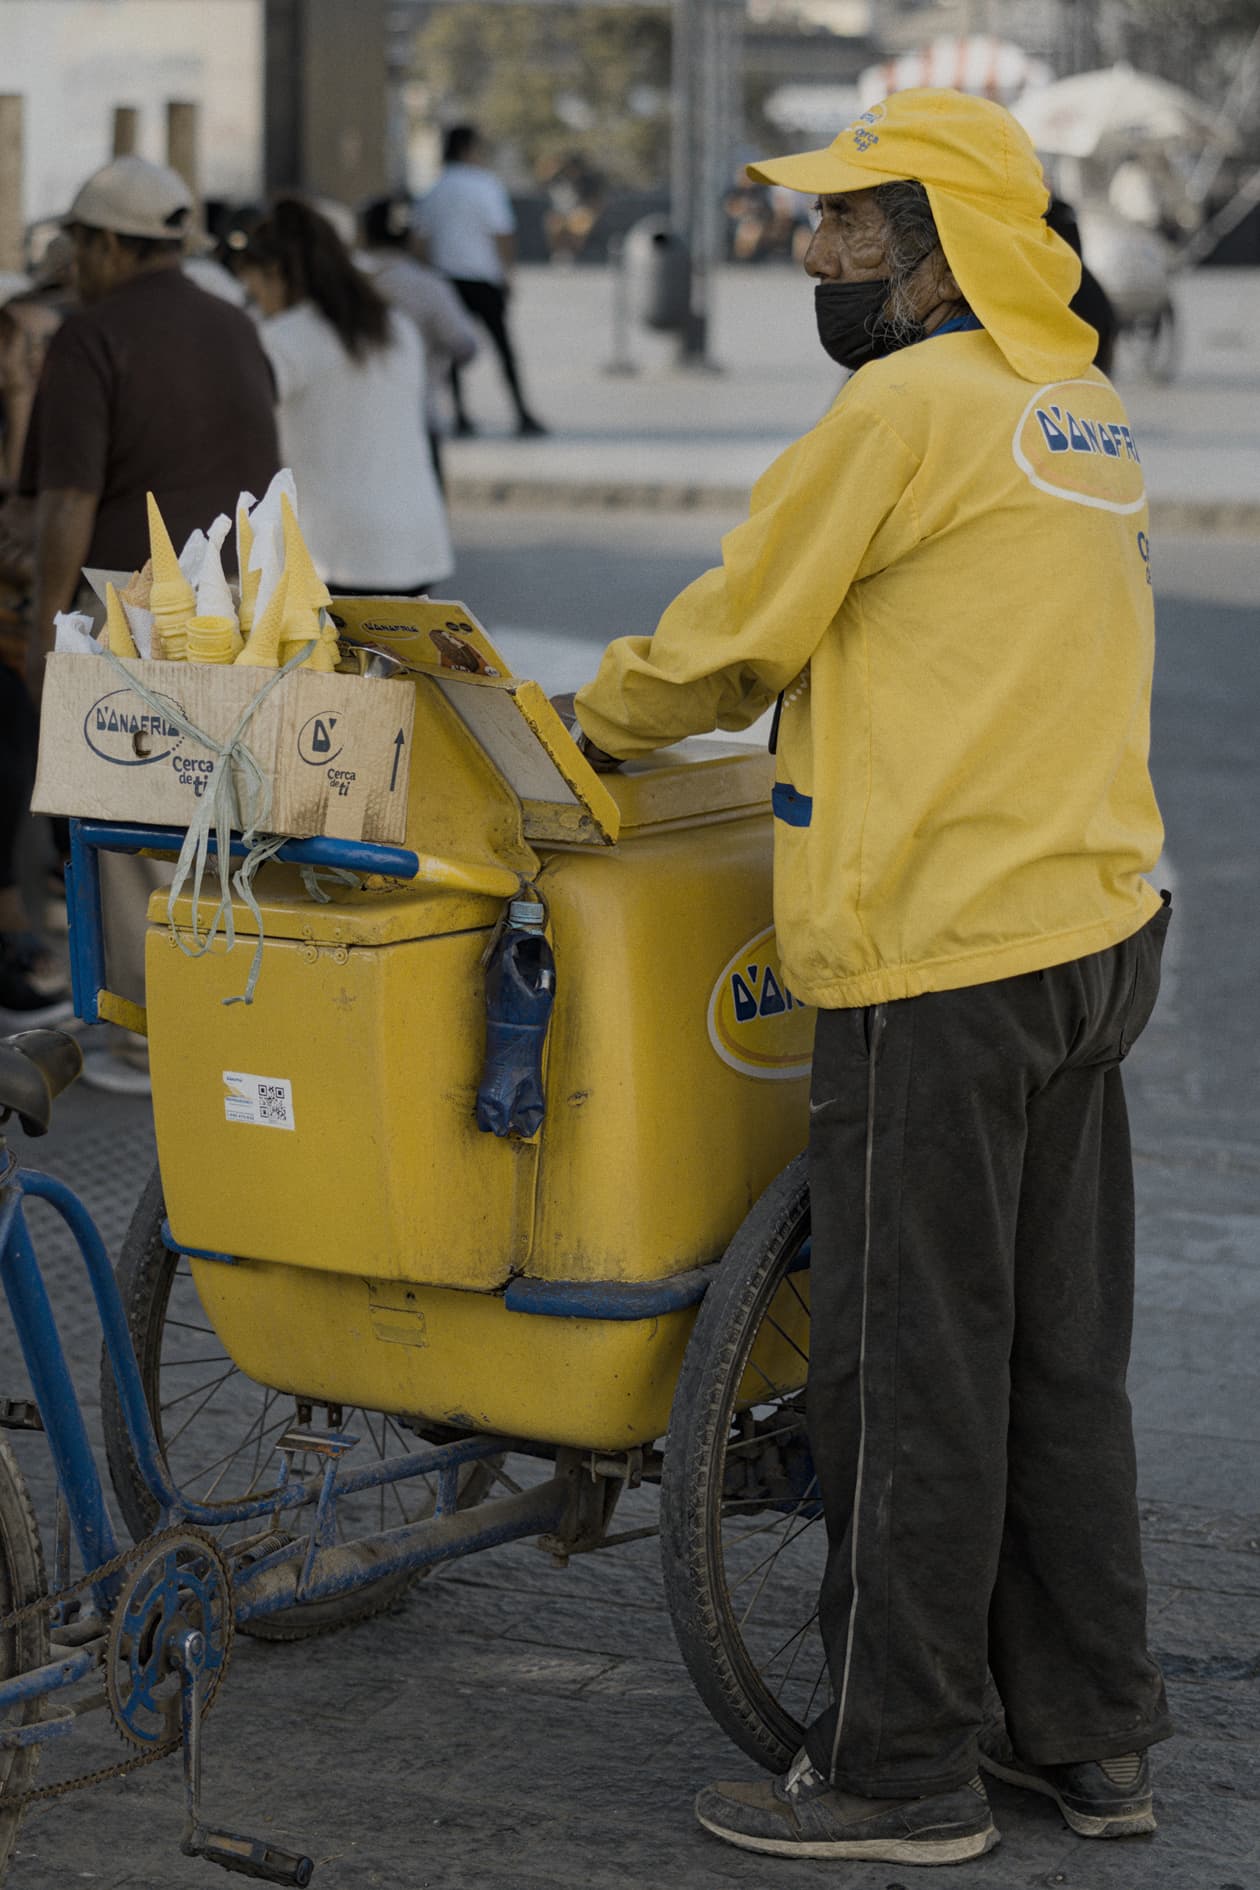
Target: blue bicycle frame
310,1569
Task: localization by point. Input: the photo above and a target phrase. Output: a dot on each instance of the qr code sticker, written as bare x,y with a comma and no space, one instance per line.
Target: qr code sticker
266,1102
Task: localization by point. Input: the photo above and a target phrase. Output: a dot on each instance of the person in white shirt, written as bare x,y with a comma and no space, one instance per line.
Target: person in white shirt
466,228
350,379
446,328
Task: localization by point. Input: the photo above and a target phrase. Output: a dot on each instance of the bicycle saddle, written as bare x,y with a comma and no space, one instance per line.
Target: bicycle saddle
35,1066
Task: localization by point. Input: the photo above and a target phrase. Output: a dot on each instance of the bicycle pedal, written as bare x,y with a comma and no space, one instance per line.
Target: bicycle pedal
20,1414
250,1857
317,1443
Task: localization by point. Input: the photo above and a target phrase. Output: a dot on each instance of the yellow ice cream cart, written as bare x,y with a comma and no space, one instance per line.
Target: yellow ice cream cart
462,1259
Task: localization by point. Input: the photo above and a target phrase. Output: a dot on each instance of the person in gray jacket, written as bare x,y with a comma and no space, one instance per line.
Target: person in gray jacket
446,328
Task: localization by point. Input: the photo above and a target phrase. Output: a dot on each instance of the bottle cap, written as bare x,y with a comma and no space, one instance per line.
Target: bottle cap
527,912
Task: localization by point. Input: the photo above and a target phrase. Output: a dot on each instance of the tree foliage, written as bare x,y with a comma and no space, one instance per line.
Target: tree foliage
550,82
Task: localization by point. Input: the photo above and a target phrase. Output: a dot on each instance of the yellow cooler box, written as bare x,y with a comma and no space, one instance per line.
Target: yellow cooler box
324,1135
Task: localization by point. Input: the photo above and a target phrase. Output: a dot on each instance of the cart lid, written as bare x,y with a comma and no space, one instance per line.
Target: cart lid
561,796
692,782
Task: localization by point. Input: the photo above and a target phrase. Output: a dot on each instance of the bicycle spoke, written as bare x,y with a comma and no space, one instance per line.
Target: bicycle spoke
195,1414
803,1629
788,1338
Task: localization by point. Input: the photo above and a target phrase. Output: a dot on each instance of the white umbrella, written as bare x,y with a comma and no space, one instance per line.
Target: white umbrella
1118,109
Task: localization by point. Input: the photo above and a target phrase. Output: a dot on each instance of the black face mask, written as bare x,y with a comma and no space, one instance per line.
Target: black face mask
851,322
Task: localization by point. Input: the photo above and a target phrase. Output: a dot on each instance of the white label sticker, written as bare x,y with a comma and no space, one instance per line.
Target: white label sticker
266,1101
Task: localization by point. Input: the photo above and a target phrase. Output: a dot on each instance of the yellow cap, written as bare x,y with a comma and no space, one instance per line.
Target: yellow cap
117,629
262,650
988,196
171,599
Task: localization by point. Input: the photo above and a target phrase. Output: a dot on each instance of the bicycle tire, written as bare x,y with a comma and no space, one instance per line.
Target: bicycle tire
753,1272
25,1646
145,1273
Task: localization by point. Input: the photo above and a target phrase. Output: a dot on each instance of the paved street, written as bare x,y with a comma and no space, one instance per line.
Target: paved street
517,1727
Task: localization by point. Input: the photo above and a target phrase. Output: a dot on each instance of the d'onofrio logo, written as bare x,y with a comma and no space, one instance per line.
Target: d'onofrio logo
122,729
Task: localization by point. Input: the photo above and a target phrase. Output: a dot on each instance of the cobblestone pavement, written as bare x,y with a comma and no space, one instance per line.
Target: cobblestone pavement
514,1726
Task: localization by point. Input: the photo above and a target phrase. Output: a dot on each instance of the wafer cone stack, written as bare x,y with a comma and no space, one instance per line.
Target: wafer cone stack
213,640
306,599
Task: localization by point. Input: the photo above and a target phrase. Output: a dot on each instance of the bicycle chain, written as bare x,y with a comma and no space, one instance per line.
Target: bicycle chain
117,1565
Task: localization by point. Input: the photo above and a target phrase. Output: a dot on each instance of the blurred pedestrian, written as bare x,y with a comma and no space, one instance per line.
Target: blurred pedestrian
466,227
446,330
150,386
350,377
32,987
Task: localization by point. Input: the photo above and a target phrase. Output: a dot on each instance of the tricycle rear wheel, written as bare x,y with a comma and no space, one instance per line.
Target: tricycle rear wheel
217,1428
742,1539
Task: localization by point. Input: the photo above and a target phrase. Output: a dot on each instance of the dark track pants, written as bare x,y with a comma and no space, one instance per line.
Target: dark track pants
488,302
972,1288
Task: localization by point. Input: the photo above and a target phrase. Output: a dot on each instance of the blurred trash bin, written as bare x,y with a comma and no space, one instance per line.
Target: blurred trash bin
657,263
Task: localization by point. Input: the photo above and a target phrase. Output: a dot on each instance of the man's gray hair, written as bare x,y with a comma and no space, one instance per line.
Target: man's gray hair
912,236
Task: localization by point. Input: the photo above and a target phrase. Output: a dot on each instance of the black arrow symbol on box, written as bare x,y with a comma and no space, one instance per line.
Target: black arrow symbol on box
399,745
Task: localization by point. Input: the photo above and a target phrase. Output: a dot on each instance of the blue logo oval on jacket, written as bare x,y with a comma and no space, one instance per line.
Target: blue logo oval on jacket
124,730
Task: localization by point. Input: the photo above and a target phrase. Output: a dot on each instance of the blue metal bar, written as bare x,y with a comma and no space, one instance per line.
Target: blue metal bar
266,1589
39,1680
356,856
38,1732
609,1299
119,1349
54,1392
195,1253
87,926
619,1299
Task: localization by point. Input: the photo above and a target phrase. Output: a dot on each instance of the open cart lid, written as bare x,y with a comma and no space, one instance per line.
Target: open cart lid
562,798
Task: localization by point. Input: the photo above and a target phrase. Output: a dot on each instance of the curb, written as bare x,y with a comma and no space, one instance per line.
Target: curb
1211,518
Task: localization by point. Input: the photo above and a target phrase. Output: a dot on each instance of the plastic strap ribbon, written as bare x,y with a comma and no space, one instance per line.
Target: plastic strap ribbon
220,809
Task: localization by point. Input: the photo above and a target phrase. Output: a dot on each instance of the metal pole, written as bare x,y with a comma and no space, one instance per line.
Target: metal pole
11,151
621,362
126,130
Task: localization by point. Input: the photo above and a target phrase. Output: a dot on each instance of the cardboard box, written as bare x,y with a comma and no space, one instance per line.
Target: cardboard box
337,749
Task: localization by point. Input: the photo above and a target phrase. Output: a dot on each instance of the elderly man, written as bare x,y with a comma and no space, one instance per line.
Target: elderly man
946,582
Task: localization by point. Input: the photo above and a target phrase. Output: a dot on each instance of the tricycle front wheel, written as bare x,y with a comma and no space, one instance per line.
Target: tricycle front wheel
742,1537
24,1647
217,1429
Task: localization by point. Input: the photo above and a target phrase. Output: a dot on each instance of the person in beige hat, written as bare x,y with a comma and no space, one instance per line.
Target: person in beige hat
946,582
150,386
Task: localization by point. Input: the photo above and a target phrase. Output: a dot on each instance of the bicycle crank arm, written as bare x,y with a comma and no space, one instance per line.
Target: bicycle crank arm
249,1857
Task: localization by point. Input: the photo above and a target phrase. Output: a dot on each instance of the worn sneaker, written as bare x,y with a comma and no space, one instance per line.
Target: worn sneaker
1099,1798
801,1815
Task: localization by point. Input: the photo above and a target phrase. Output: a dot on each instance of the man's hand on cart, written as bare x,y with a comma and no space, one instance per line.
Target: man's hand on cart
600,760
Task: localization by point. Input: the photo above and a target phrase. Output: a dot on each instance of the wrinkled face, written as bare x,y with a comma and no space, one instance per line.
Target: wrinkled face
851,241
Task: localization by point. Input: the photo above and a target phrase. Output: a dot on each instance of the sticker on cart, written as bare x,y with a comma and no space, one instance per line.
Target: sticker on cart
756,1024
264,1101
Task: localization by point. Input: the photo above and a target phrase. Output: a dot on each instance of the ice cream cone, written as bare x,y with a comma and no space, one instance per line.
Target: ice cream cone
306,598
250,580
139,590
171,599
118,638
263,648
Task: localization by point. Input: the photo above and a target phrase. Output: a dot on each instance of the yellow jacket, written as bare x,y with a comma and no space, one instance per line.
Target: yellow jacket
949,579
